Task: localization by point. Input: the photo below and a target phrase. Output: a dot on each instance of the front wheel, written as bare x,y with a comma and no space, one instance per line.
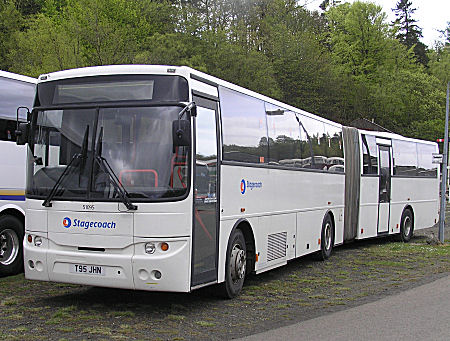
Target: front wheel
327,238
406,226
11,248
235,265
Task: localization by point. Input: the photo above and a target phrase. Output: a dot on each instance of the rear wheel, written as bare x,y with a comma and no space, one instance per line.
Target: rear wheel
235,265
327,238
406,226
11,248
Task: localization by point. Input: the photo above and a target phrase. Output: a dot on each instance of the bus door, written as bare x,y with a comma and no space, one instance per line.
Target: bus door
206,223
384,196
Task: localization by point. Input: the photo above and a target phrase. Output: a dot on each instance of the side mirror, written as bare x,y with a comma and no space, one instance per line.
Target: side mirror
181,133
22,133
193,110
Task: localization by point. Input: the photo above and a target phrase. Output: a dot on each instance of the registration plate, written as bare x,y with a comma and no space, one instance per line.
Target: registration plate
96,270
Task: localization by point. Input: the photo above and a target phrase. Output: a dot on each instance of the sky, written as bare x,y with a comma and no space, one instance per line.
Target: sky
431,15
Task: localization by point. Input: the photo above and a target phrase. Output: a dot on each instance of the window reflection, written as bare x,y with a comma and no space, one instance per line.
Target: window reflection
426,167
370,154
244,127
284,137
14,94
405,158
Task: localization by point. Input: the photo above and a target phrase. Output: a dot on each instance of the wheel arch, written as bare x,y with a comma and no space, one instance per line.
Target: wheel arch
246,228
14,211
410,208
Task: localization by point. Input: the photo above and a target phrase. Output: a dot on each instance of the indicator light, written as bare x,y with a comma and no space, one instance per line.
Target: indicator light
164,246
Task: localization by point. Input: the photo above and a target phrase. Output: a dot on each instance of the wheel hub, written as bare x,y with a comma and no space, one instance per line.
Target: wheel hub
238,263
327,236
407,226
9,246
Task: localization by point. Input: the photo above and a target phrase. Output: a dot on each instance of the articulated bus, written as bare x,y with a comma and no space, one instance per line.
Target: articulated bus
164,178
16,91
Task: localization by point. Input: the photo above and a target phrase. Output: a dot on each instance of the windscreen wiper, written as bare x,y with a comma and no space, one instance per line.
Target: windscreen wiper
79,156
104,165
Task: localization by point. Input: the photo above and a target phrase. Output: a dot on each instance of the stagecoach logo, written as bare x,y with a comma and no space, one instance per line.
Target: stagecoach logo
67,222
250,185
242,186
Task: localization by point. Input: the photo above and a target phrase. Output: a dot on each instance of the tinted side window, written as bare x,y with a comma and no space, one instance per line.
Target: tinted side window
405,158
424,160
319,143
284,137
244,127
370,156
14,93
334,150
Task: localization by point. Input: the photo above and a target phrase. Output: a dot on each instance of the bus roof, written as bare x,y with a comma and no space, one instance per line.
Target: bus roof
184,71
393,136
18,77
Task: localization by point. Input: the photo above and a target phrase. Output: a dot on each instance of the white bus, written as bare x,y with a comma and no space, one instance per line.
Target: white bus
167,179
16,91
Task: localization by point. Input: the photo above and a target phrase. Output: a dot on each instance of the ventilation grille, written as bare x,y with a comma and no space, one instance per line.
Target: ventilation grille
276,246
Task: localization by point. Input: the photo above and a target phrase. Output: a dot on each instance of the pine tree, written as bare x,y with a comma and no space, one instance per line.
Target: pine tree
409,33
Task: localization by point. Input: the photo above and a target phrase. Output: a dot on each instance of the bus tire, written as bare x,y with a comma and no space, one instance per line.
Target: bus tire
235,265
326,238
11,248
406,226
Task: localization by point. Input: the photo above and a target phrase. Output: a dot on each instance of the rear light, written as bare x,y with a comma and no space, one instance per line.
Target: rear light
30,238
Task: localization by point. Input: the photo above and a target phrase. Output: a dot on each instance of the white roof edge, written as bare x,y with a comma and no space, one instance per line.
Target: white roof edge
18,77
394,136
105,70
162,69
261,97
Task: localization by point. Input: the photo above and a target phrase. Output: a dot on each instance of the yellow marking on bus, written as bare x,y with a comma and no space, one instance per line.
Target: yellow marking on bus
151,283
11,192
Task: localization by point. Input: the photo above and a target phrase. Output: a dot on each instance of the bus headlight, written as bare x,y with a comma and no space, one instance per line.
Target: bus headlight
150,248
37,241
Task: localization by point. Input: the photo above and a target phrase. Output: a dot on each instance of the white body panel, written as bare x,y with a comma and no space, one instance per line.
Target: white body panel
12,156
294,202
12,177
123,256
421,194
383,217
368,214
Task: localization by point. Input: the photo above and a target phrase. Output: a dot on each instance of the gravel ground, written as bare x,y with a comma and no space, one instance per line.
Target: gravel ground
356,273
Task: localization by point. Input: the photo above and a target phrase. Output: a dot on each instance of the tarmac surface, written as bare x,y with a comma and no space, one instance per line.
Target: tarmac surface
422,313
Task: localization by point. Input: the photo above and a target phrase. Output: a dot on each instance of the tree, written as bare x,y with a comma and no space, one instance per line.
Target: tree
446,34
29,7
10,23
84,33
358,37
408,33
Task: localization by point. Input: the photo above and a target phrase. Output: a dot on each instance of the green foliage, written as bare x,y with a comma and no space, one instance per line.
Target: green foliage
10,22
407,32
358,37
342,64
